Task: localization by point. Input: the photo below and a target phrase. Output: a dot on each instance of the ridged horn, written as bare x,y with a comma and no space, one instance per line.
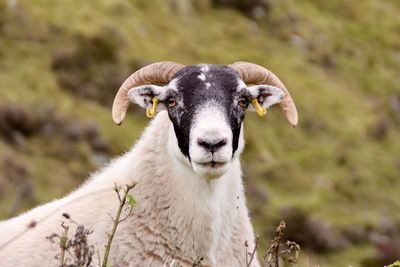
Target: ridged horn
252,73
156,73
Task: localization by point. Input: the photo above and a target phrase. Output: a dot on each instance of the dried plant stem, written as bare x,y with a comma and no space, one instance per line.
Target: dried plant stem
111,235
276,252
116,220
63,244
253,253
279,249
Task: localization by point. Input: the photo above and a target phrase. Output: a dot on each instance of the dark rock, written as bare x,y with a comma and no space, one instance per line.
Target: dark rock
380,129
100,145
256,9
310,232
16,122
90,68
17,172
73,131
14,169
356,234
92,134
91,130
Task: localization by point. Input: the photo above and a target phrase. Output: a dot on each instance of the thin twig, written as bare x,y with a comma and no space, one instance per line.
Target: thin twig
116,220
63,243
127,216
253,253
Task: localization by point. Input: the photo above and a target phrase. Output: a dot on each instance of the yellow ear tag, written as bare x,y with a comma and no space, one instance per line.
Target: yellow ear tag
151,112
260,110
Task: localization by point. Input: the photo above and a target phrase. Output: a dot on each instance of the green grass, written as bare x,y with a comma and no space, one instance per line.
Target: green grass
341,81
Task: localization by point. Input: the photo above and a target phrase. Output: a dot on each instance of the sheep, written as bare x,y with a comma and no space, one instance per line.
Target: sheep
189,190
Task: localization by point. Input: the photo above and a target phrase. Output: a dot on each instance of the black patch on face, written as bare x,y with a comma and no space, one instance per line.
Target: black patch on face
193,92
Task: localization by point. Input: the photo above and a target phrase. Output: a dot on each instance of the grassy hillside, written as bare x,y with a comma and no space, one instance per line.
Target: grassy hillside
335,179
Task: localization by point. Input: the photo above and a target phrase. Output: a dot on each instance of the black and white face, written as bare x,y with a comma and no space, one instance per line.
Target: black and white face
206,105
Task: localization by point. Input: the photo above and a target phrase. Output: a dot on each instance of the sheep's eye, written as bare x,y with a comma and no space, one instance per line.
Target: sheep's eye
242,102
171,102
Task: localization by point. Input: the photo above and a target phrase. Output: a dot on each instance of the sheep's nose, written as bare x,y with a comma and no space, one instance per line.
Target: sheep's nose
211,145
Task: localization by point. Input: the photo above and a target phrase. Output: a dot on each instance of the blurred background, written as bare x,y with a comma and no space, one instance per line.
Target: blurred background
335,179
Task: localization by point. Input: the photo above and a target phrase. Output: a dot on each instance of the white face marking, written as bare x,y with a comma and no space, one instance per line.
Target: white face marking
241,85
202,77
204,68
173,84
210,126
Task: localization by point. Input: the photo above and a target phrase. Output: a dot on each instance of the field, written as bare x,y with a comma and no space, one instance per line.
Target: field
335,179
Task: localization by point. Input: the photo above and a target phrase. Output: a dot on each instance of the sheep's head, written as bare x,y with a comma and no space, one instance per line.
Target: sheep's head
206,105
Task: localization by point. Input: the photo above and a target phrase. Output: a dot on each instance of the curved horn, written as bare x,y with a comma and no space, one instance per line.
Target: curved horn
156,73
255,74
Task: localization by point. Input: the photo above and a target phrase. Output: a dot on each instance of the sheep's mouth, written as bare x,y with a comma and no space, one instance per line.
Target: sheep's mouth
212,164
211,169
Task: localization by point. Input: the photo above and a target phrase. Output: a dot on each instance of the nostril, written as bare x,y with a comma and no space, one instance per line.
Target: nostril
204,144
220,143
211,145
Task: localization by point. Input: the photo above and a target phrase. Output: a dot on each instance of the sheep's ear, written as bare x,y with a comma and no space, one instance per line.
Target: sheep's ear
266,95
143,95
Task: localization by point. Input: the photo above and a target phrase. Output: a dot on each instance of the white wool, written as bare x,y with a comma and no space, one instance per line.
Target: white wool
179,216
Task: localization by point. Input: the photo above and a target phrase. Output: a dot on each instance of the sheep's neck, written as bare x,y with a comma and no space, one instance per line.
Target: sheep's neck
195,216
200,213
206,209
